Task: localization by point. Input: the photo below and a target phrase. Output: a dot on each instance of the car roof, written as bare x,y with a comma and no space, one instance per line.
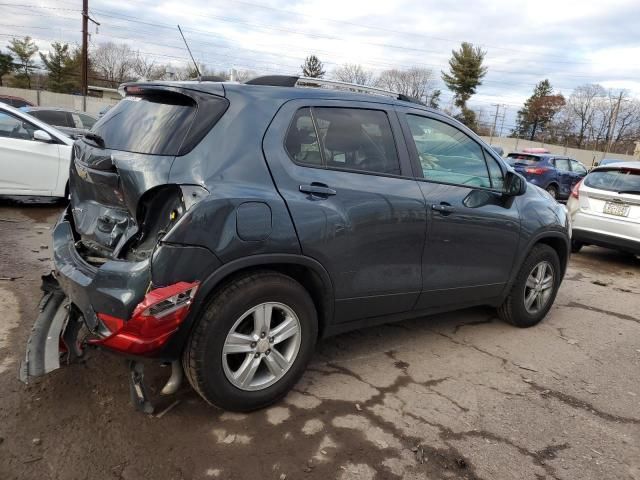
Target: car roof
287,93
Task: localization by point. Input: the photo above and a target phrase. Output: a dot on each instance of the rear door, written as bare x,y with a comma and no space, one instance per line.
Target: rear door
564,175
473,228
29,167
344,173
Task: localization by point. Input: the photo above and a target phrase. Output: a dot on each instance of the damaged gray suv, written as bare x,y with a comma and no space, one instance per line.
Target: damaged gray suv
225,228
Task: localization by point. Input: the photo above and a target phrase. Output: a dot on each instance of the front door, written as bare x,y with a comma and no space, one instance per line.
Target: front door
473,228
356,208
28,166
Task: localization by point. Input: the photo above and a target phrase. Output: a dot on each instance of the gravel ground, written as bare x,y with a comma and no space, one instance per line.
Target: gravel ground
460,395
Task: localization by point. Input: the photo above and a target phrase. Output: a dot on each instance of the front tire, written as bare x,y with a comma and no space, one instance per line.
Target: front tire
252,343
534,289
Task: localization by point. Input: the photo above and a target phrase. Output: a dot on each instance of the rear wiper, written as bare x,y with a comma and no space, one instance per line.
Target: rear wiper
630,191
95,138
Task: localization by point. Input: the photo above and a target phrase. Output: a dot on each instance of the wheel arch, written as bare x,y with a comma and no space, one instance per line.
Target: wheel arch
305,270
556,240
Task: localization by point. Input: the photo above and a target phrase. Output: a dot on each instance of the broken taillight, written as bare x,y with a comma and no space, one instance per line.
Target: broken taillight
153,321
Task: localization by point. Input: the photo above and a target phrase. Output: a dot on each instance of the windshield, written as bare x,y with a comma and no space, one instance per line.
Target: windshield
153,124
615,180
522,158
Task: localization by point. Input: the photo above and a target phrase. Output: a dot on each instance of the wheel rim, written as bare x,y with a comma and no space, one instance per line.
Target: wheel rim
261,346
552,191
538,287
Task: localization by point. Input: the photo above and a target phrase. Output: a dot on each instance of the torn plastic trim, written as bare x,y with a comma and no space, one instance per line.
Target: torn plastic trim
43,347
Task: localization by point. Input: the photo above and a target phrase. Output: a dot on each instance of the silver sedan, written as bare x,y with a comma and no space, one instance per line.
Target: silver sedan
605,208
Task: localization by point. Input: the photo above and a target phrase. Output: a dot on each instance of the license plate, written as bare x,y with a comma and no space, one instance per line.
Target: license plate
618,209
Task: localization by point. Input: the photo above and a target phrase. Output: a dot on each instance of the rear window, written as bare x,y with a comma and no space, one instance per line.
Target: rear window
522,158
159,123
615,180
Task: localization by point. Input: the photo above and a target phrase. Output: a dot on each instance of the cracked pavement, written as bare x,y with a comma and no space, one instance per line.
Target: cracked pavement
459,395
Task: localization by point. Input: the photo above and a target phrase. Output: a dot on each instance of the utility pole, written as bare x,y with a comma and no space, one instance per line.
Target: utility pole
495,120
84,75
504,114
612,123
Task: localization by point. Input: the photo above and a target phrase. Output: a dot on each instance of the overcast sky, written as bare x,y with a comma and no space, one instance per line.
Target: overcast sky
569,42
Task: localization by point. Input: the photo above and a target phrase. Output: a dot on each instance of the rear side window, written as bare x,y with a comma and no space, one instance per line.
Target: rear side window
448,155
614,180
54,117
159,122
562,164
301,142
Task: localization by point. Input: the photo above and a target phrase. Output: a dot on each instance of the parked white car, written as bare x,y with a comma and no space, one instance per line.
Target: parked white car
605,208
34,157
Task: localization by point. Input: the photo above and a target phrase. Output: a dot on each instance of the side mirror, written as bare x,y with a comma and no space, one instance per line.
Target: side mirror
42,136
514,184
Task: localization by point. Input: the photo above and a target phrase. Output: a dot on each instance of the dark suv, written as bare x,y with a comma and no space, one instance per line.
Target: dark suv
227,227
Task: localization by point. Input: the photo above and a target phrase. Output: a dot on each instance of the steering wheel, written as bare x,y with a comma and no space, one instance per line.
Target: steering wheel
474,182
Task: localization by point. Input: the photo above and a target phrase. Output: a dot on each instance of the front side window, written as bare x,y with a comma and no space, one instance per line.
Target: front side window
448,155
357,139
13,127
301,142
577,167
495,172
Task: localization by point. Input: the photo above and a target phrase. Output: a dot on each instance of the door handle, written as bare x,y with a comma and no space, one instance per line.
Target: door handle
443,209
319,189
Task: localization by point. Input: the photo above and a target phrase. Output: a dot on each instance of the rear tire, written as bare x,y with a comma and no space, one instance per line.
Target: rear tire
553,191
231,321
516,309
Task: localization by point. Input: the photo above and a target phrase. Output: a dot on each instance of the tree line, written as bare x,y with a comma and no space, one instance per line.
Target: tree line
591,117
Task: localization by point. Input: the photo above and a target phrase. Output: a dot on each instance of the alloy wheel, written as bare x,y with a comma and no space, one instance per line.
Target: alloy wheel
261,346
538,287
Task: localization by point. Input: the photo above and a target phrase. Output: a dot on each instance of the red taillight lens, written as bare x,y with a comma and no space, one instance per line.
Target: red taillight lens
154,320
536,170
575,191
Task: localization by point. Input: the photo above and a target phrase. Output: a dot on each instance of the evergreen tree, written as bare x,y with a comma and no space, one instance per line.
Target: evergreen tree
24,50
538,111
59,63
6,65
312,67
465,75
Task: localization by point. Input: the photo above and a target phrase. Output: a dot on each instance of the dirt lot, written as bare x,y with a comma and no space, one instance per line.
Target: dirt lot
460,395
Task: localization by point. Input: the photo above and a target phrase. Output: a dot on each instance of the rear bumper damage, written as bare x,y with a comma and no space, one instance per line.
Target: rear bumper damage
119,305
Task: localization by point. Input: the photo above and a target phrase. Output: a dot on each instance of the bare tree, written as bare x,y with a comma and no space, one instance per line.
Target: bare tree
415,82
114,62
582,106
143,68
244,75
353,73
